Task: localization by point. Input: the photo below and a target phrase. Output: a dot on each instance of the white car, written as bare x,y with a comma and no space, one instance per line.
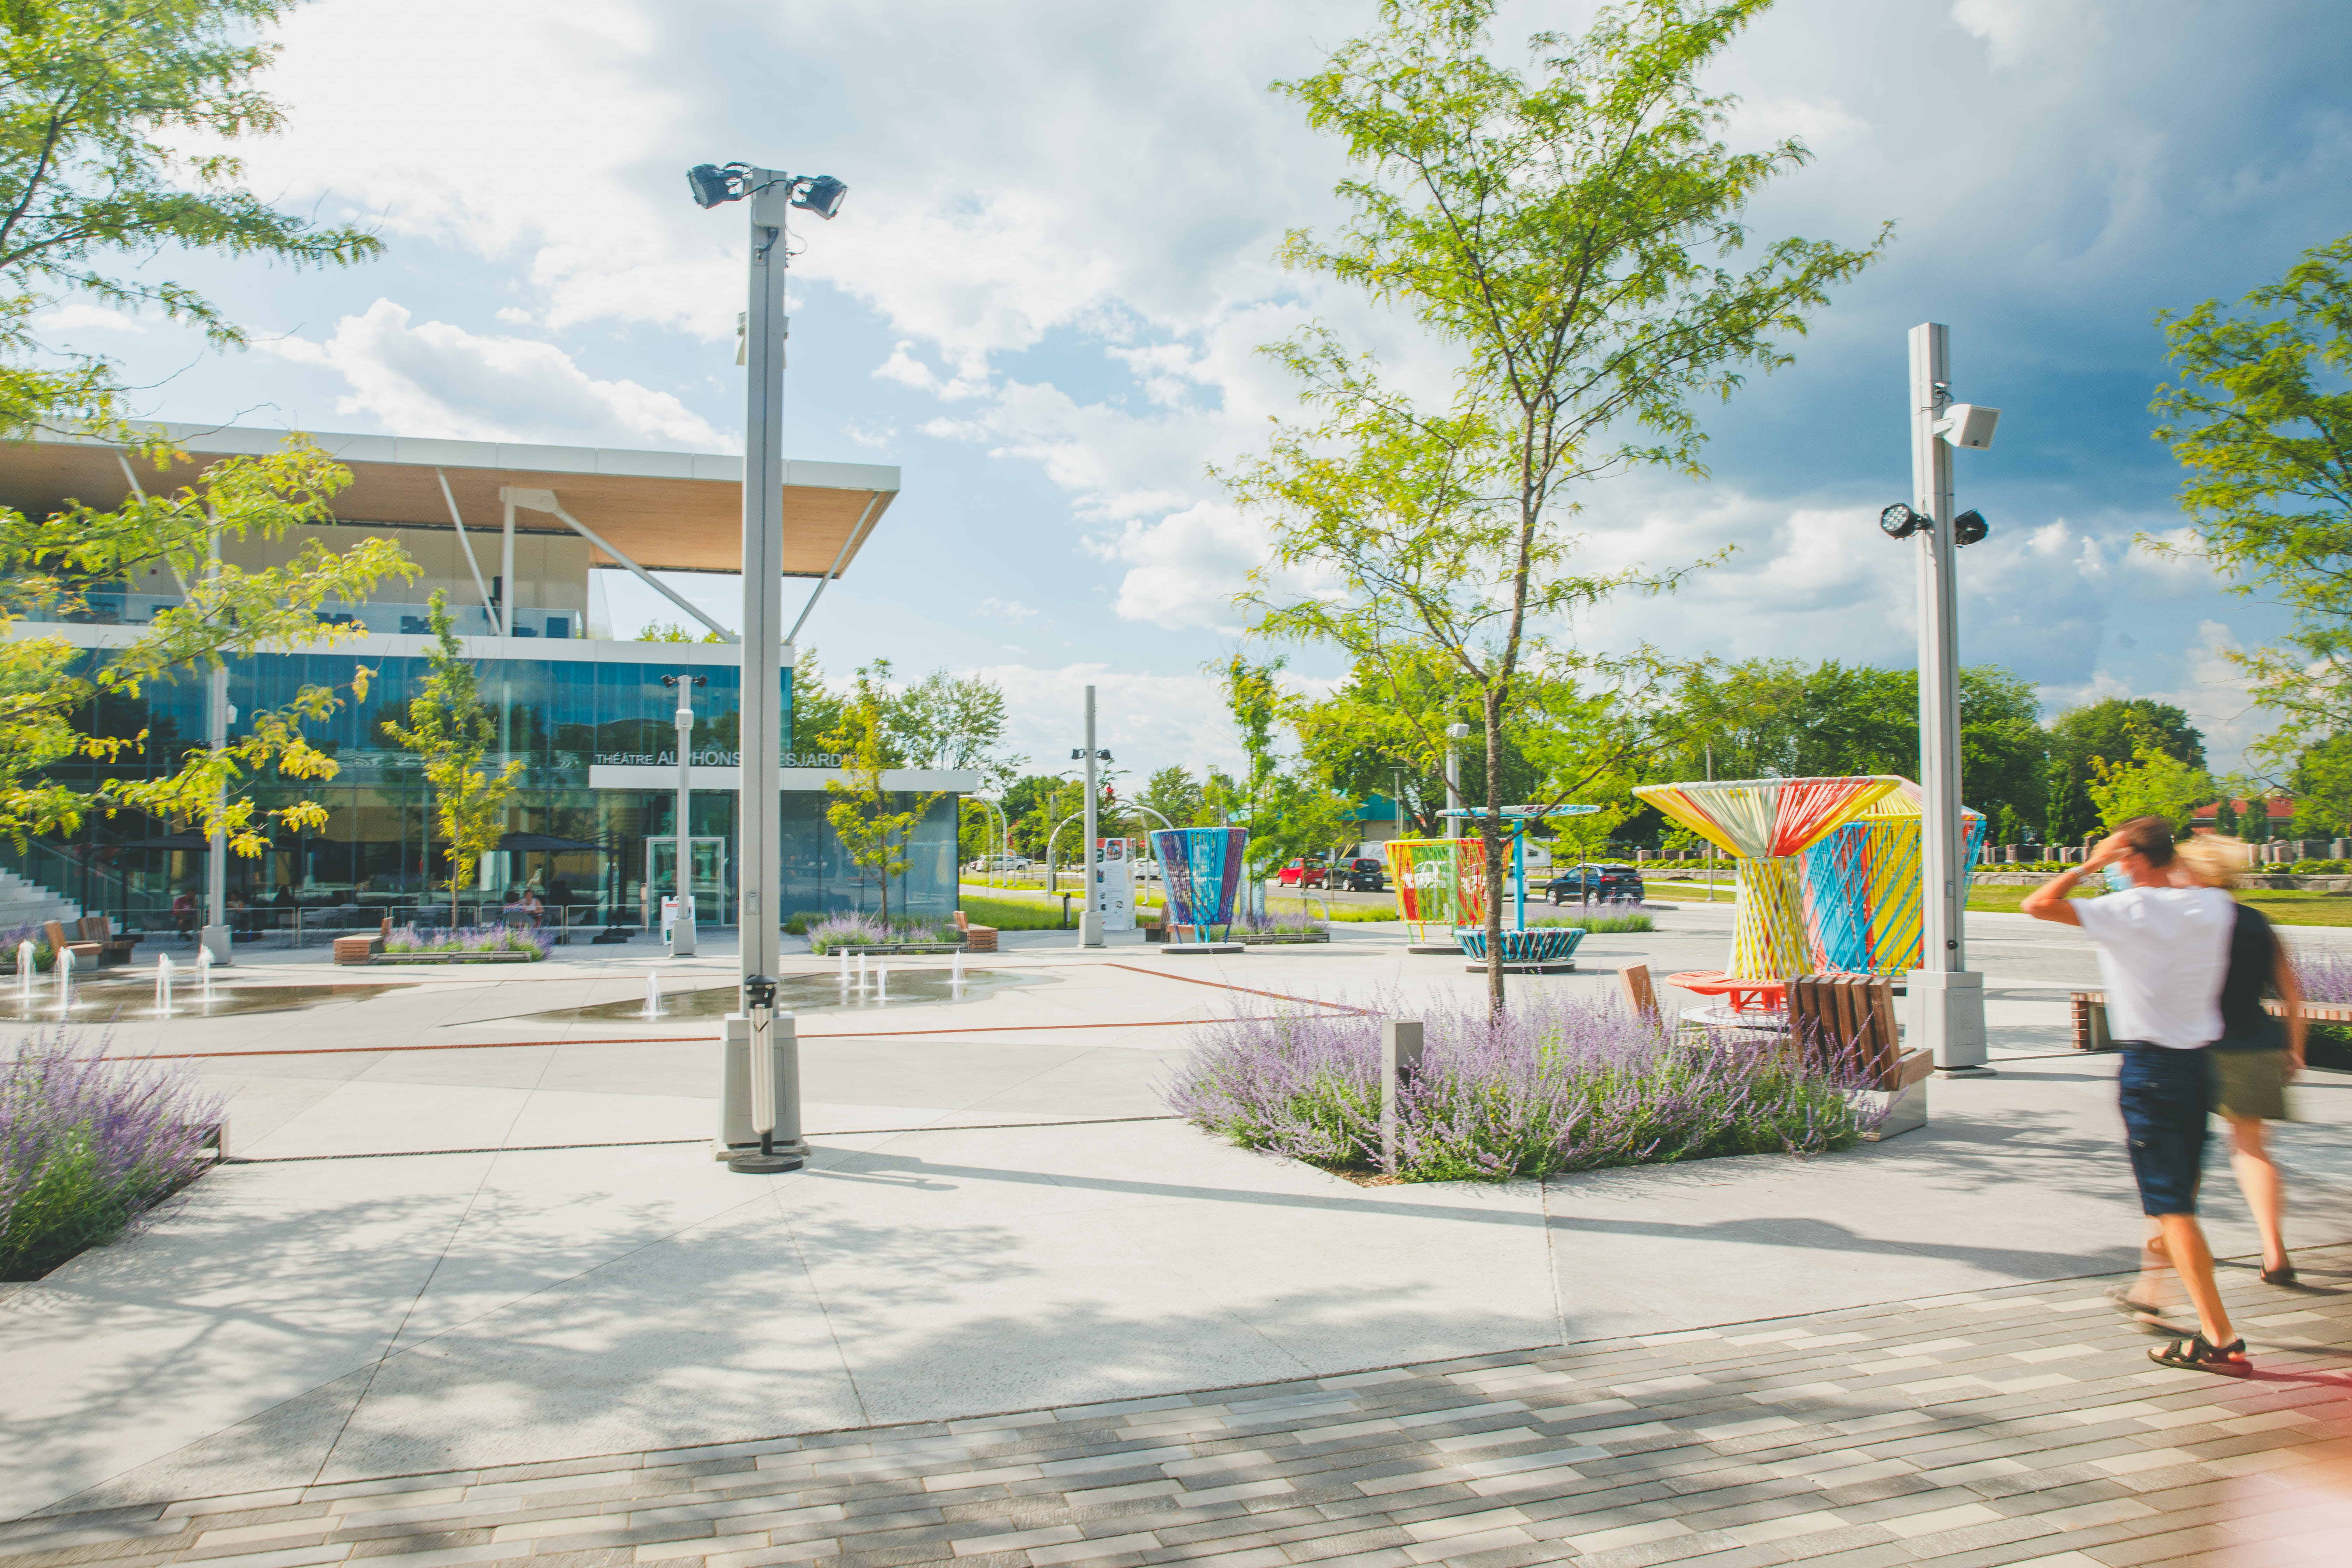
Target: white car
1148,870
1001,863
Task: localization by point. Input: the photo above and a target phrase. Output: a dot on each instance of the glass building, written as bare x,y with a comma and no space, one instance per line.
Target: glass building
519,540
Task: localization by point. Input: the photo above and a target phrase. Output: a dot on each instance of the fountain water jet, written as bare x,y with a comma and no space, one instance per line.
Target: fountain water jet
204,976
163,985
652,995
881,983
65,981
25,977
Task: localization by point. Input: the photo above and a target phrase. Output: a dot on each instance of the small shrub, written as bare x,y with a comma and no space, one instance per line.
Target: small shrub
87,1146
529,939
1561,1083
858,929
1283,923
1602,925
43,959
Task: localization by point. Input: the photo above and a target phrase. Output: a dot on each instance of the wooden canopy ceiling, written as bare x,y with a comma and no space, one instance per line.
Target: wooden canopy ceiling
670,512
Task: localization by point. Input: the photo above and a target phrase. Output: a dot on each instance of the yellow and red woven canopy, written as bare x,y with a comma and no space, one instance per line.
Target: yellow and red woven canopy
1760,819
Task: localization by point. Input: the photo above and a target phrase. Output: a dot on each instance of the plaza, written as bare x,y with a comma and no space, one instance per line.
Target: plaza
471,1287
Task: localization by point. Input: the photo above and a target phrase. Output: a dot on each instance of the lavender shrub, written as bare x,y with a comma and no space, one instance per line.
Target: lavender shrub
530,940
1561,1083
859,929
87,1146
2327,974
1282,923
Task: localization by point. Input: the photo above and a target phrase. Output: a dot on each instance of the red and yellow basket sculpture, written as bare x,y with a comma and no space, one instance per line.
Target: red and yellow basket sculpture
1441,884
1764,825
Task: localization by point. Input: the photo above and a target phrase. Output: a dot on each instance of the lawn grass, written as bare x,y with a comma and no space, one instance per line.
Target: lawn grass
1015,914
2285,906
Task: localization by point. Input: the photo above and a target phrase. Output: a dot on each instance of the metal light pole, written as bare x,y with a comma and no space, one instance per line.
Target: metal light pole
772,193
1948,998
1091,918
681,931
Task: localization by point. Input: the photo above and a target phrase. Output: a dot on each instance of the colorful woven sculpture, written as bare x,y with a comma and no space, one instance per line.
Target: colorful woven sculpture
1764,825
1441,885
1200,868
1862,886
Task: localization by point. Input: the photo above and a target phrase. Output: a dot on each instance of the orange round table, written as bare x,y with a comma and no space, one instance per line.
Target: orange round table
1744,995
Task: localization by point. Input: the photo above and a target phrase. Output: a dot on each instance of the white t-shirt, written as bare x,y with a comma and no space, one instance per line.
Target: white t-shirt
2164,952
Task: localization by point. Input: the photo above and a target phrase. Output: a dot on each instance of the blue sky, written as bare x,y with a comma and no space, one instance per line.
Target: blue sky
1041,300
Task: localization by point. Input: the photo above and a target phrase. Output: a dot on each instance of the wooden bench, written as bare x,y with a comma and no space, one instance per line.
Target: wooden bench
977,938
91,952
362,948
1847,1022
113,946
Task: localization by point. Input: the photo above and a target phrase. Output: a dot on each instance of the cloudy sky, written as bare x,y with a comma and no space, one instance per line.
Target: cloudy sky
1042,299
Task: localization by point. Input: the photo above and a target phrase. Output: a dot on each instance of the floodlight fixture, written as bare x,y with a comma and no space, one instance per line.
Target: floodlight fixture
1900,522
822,195
711,183
1970,527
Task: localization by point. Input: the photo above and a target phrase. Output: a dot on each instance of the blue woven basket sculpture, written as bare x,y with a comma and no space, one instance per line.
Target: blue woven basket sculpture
1537,944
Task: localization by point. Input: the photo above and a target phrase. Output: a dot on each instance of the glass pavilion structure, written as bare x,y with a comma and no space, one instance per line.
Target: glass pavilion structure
520,541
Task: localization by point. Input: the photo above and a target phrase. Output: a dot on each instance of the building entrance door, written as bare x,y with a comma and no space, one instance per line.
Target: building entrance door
709,858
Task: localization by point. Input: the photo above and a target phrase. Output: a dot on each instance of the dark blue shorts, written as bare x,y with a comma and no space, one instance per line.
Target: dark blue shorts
2166,1096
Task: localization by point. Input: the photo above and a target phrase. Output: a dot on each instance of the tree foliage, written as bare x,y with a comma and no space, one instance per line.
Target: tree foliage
1568,235
50,568
872,835
2261,423
453,732
2154,782
93,96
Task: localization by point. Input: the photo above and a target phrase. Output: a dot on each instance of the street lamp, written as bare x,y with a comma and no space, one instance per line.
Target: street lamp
771,192
1948,998
1090,917
681,929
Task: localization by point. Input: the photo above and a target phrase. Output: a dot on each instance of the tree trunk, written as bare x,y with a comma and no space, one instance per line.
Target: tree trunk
1491,845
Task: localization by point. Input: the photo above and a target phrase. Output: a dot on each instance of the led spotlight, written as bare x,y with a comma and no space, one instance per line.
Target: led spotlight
1900,522
1970,527
712,184
822,195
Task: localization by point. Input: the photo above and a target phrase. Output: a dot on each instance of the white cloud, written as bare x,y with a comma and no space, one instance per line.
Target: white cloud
77,314
436,379
1011,610
1145,721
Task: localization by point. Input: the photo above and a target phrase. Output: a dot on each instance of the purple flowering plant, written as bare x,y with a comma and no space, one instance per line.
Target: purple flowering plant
88,1146
1560,1082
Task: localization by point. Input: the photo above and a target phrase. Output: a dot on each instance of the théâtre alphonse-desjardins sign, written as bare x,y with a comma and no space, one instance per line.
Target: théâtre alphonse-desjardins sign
711,758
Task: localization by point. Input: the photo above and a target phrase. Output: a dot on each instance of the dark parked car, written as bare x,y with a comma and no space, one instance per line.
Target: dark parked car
1361,874
1614,882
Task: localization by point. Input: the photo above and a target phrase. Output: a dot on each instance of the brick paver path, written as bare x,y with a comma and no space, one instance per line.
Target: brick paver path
2019,1425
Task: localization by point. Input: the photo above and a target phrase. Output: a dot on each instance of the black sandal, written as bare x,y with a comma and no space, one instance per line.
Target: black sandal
2283,1275
2198,1354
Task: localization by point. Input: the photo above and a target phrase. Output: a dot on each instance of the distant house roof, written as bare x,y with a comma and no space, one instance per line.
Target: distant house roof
2279,807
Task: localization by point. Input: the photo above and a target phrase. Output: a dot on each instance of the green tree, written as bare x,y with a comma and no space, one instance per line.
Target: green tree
50,565
1569,238
872,835
95,96
1176,795
2115,728
2154,782
453,732
2072,817
1288,812
816,707
958,722
2262,424
671,631
2322,785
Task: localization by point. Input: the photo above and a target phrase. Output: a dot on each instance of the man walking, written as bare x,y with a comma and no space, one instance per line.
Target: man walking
2163,951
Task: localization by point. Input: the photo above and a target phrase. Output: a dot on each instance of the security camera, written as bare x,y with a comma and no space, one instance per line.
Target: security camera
1968,425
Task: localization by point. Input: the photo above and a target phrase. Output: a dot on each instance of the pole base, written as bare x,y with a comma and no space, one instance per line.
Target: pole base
758,1165
1435,949
1976,1071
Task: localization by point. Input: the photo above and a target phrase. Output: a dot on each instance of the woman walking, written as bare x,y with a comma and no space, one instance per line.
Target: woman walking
2255,1058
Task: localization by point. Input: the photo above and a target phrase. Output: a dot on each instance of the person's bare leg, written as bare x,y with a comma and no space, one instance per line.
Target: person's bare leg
2184,1241
2157,1285
2258,1178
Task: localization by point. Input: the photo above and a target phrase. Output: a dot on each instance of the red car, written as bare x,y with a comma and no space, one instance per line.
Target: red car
1304,874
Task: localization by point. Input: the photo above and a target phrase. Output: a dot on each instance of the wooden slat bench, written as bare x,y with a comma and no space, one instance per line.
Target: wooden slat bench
1849,1020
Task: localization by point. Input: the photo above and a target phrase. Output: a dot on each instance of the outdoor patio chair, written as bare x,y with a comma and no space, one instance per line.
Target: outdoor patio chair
113,946
1850,1019
89,952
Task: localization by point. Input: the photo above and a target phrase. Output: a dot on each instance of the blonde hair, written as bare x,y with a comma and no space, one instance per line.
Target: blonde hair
2210,860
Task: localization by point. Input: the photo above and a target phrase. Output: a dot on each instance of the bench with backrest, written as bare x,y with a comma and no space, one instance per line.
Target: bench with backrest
114,946
90,952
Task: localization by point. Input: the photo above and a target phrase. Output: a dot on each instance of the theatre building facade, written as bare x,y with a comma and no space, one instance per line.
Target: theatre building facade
521,540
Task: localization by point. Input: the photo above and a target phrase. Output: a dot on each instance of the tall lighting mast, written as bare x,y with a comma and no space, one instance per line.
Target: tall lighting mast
771,1079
